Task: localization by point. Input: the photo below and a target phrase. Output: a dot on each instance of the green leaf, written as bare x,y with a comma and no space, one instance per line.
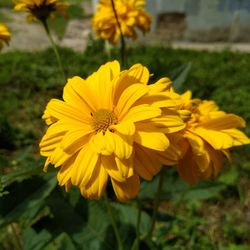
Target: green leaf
35,241
148,189
74,220
203,191
61,242
230,177
180,75
128,215
31,204
21,174
97,232
176,189
236,247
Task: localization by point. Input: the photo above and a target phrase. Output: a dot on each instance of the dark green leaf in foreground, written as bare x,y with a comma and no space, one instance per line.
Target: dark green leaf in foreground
29,206
35,241
97,232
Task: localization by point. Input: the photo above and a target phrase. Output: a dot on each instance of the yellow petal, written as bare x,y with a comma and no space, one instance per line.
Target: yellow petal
109,164
95,188
49,143
217,159
129,97
84,166
217,139
65,111
103,143
125,166
58,157
146,162
65,172
136,74
161,85
207,107
125,128
238,137
202,161
141,112
79,95
74,140
104,77
108,72
123,145
128,189
226,121
187,168
173,153
153,140
139,73
196,143
170,123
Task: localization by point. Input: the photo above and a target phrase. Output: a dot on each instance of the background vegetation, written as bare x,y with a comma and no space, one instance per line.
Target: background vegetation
36,214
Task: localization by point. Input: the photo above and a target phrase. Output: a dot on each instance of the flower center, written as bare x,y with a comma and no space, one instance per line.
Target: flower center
102,119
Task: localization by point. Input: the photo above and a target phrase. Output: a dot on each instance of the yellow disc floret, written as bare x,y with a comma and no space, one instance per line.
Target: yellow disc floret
102,119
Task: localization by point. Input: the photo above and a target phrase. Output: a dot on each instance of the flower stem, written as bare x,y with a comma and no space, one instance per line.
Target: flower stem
156,205
46,27
136,244
18,244
117,235
123,44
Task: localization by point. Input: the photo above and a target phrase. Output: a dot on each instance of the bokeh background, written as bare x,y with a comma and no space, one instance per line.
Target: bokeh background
201,45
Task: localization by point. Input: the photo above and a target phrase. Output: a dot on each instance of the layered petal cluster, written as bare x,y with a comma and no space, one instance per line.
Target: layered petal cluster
131,16
110,126
40,9
207,138
4,35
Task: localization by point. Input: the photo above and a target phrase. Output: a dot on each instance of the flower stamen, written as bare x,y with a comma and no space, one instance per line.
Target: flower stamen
102,119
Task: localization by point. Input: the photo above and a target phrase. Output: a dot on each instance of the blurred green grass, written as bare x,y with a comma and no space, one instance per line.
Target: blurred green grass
208,216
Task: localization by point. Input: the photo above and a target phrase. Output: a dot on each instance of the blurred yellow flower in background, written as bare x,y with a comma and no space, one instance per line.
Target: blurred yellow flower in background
4,35
207,138
40,9
109,126
131,15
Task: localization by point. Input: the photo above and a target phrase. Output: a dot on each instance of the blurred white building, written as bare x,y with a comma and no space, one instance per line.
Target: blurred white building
201,20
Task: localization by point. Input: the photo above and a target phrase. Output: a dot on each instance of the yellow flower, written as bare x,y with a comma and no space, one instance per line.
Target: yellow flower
131,15
4,35
40,9
207,138
109,126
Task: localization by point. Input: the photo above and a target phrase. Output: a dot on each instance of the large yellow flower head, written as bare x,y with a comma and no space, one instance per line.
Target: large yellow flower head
131,15
207,138
40,9
109,126
4,35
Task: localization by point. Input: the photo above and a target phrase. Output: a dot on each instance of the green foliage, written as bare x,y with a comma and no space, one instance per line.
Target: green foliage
37,214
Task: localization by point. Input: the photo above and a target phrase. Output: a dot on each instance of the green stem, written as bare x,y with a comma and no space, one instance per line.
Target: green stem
117,235
46,27
18,244
156,205
136,244
123,44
